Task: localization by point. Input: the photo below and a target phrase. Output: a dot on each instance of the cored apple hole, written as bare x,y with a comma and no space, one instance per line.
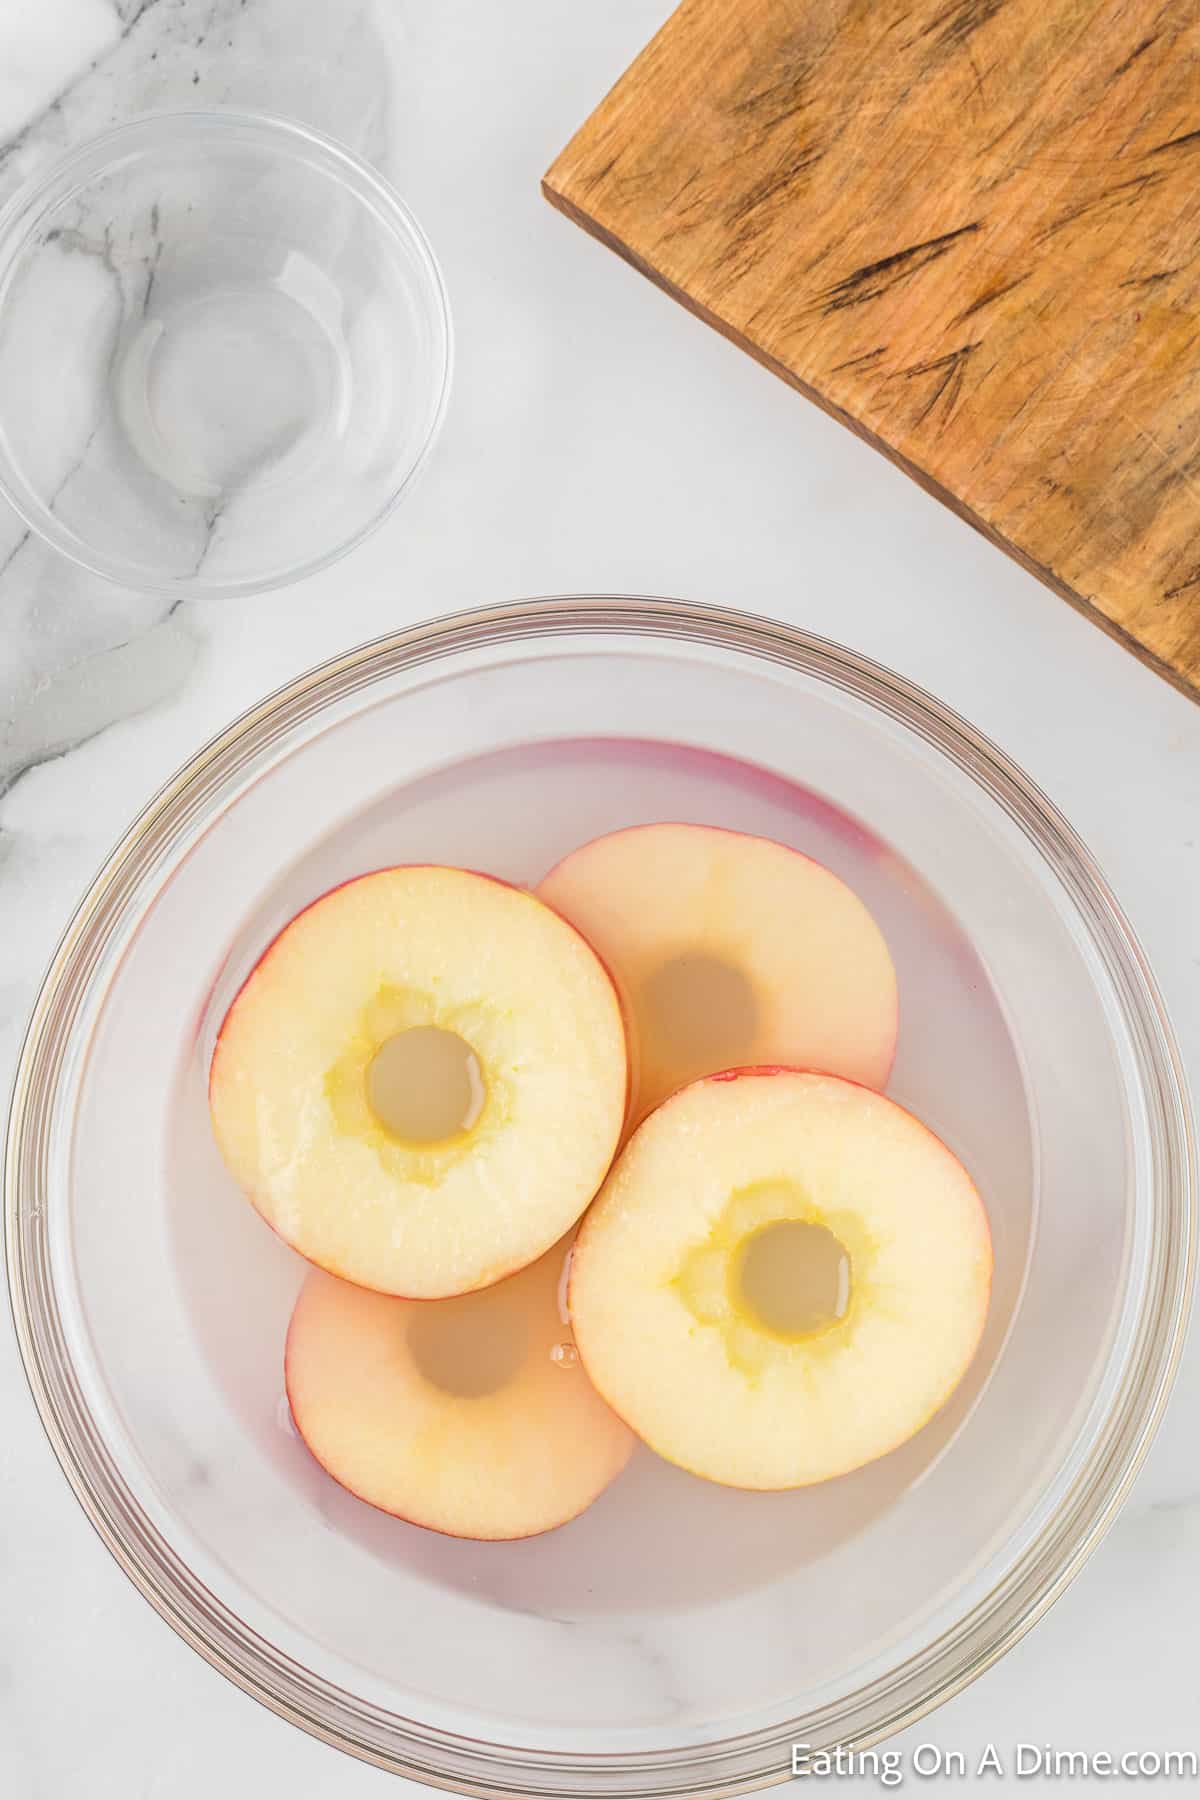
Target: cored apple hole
470,1346
791,1278
425,1085
699,1011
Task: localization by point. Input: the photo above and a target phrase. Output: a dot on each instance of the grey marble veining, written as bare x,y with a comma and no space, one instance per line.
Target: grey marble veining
78,653
598,439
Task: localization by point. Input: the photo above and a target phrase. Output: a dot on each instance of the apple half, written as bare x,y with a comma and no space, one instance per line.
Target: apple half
422,1082
472,1416
784,1277
730,950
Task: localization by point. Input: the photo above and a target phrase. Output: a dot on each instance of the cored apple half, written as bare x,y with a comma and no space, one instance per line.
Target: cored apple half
422,1083
783,1278
470,1416
730,950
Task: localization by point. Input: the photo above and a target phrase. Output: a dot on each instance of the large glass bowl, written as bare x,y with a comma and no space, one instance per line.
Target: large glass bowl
225,352
679,1637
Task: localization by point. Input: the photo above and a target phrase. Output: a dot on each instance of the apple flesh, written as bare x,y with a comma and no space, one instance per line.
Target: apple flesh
784,1277
422,1083
730,950
472,1417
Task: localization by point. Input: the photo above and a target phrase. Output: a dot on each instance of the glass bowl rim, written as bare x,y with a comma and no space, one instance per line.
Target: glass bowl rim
294,141
738,1764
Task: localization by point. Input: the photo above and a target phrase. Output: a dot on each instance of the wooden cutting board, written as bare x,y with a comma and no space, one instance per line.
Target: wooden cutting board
969,229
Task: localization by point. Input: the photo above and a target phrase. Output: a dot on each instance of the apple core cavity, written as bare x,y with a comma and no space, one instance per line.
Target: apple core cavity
425,1085
470,1346
699,1012
791,1278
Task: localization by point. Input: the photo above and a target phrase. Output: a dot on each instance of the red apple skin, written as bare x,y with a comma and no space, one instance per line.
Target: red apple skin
771,1069
260,963
766,1071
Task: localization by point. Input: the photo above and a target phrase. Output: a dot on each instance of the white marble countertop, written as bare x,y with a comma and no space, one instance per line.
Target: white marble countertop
598,438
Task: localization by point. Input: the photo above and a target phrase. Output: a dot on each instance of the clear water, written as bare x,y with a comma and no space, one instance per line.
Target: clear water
514,814
425,1085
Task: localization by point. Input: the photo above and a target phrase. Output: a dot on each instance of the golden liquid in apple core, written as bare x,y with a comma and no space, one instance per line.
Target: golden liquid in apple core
698,1013
425,1085
472,1345
791,1278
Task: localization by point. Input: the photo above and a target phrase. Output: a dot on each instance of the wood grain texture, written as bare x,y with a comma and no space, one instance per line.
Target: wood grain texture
969,229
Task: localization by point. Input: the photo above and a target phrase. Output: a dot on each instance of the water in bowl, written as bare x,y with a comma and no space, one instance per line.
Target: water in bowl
514,813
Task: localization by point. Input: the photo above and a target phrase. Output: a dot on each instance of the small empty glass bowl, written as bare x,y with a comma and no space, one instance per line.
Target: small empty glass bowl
225,350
